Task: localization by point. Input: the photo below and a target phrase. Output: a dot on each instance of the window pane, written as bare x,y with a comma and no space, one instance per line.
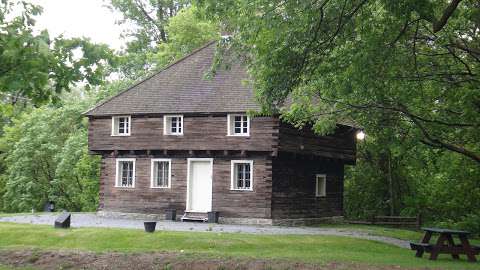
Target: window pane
242,174
321,185
121,125
126,173
175,124
240,184
240,124
161,173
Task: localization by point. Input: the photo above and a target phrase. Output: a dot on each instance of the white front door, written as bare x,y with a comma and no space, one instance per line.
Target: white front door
199,190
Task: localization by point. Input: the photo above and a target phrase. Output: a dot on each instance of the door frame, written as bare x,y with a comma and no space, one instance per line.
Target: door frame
189,170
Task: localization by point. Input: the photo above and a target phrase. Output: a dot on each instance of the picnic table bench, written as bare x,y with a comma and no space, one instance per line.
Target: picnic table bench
445,244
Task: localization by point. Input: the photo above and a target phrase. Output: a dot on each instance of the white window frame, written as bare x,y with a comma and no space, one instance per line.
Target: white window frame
152,172
117,175
232,175
317,178
116,118
231,127
167,126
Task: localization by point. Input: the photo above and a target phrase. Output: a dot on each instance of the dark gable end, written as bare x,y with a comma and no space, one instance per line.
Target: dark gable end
183,88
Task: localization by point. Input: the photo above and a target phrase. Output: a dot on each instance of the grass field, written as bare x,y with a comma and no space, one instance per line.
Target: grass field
298,248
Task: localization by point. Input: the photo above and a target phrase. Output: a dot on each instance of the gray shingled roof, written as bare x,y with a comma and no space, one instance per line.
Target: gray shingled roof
183,88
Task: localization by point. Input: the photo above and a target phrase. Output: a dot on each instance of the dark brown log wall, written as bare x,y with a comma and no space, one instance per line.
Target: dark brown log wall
143,199
340,145
200,133
293,194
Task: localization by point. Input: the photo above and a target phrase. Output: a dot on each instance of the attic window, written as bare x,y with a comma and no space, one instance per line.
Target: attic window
173,125
121,125
238,125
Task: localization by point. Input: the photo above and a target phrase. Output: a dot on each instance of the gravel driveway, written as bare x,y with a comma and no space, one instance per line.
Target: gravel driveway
92,220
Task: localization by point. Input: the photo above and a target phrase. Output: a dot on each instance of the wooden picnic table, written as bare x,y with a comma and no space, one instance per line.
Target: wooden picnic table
445,244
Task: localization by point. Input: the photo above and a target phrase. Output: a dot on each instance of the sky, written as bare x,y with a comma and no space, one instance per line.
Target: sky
80,18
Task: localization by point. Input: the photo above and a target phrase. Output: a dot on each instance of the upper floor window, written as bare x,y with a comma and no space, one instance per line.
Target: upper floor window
121,125
320,185
173,125
238,125
242,175
161,173
125,173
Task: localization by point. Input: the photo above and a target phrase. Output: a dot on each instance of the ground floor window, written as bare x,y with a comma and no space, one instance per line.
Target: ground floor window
321,185
242,175
161,173
125,176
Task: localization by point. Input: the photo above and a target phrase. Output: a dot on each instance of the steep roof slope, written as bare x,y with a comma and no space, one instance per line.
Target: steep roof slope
183,88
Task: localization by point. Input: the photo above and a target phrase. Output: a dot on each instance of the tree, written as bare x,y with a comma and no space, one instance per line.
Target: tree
149,19
361,59
188,31
35,68
46,158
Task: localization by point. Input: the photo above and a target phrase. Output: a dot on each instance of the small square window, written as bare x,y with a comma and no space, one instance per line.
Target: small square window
173,125
121,125
321,185
125,175
238,125
161,173
242,175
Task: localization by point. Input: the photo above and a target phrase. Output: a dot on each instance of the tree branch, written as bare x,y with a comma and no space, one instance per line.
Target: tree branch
438,25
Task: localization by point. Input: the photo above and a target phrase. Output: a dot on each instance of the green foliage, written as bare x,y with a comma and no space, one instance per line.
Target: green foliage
150,19
46,158
398,69
36,68
187,33
165,31
363,59
43,151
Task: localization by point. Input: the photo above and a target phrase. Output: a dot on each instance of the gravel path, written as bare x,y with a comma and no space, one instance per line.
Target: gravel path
92,220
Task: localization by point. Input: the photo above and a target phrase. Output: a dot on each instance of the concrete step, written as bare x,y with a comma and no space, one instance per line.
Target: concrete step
193,216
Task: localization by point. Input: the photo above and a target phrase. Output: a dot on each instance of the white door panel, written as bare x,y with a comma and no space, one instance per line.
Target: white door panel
200,186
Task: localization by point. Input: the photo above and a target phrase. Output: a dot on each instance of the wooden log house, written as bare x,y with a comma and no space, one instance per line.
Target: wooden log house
178,140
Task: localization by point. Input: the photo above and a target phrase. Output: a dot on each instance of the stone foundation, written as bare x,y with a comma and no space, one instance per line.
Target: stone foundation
226,220
139,216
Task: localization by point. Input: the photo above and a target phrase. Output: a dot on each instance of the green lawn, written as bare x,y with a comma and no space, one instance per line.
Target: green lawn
317,249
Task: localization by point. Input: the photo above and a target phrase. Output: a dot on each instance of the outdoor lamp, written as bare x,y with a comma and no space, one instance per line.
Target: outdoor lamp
360,135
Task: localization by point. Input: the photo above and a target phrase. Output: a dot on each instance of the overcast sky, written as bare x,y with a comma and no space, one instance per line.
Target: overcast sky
80,18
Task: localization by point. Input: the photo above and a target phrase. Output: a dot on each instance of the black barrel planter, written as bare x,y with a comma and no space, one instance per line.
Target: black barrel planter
150,226
171,214
213,216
